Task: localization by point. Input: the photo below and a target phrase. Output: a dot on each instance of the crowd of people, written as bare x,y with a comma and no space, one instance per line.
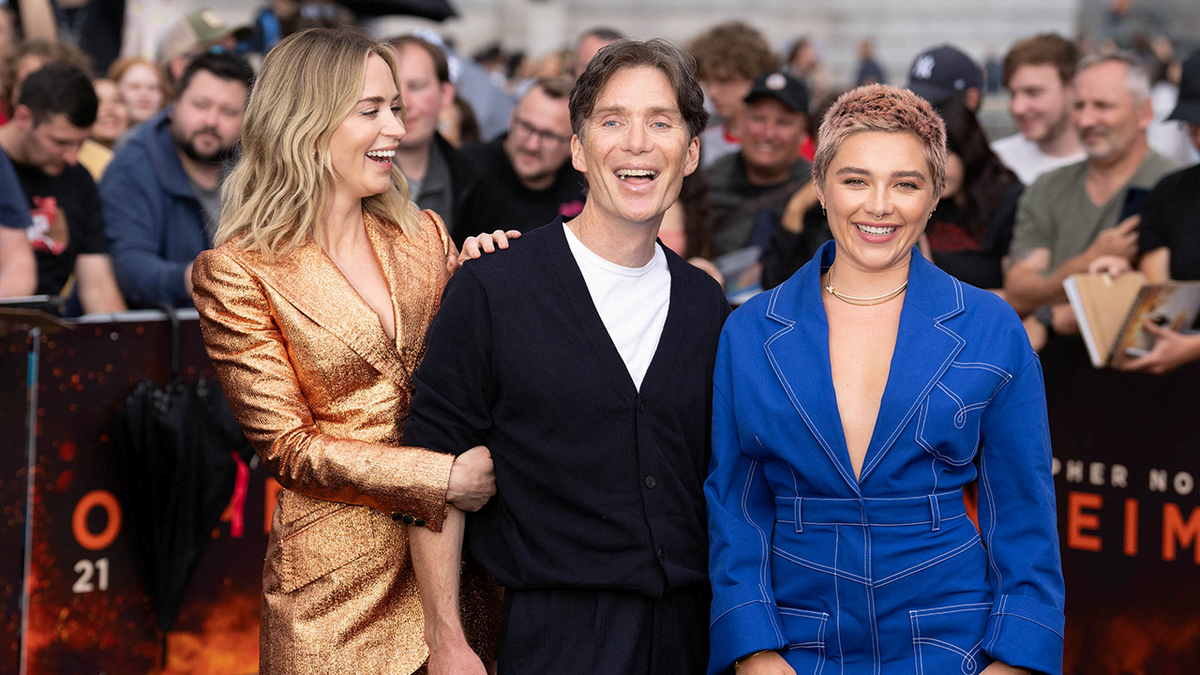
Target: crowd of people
313,214
489,148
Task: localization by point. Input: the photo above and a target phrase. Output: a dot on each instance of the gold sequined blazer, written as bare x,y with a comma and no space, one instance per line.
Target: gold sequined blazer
321,392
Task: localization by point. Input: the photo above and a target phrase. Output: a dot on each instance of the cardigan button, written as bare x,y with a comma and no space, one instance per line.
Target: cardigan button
408,520
397,516
641,405
419,523
650,482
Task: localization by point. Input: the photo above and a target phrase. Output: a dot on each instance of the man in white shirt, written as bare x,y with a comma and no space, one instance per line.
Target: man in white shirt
1039,72
583,354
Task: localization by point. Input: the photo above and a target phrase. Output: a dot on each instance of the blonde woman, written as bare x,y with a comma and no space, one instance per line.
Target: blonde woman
314,307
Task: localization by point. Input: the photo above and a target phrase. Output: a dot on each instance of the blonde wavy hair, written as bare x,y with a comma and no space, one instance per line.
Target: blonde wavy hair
308,85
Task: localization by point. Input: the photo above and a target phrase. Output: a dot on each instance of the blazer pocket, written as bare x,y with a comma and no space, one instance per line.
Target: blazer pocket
805,632
948,639
327,544
949,417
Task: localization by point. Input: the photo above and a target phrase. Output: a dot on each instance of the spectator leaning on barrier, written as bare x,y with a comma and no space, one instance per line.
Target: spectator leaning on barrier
750,188
1068,217
55,110
529,178
18,268
944,72
1169,240
1039,73
728,58
161,192
439,177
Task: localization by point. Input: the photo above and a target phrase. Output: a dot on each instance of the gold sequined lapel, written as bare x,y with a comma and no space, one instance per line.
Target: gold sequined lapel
314,285
395,260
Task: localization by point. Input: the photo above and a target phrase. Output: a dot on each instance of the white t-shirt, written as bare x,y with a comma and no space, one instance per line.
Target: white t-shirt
1027,160
632,302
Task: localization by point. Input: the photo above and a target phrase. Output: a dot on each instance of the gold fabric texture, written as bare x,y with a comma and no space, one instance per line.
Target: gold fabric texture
321,392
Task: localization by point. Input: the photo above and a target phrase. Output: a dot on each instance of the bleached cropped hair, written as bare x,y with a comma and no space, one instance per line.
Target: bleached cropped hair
881,107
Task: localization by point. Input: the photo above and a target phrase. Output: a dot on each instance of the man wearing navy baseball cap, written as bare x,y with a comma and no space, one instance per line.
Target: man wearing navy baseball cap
941,73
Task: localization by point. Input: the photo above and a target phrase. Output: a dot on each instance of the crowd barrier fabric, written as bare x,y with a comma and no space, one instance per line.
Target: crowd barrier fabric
1125,465
88,609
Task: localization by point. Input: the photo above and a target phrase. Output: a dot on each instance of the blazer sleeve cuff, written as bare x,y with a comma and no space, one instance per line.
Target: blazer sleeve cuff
740,627
422,501
1024,633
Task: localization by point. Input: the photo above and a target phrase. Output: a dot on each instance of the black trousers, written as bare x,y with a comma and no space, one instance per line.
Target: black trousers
588,632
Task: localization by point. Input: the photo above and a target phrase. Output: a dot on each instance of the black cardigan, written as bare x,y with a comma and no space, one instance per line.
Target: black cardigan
599,486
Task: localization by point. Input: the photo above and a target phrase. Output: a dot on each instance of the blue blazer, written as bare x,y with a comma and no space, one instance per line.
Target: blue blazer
884,574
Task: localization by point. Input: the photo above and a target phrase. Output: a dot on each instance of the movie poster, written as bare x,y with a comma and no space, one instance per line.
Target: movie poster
90,611
1126,461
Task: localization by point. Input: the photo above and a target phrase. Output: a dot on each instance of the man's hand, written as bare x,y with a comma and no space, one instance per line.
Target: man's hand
1110,264
1120,241
486,242
457,659
766,663
472,479
1171,349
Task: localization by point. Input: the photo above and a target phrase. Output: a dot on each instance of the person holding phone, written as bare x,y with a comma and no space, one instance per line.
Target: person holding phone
1073,215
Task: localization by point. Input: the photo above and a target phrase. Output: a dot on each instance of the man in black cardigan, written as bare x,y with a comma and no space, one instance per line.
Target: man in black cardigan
582,357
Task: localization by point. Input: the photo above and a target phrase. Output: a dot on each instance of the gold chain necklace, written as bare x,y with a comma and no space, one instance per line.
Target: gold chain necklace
863,302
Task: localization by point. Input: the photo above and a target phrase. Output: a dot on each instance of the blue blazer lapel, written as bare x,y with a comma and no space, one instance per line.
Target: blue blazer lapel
924,350
799,355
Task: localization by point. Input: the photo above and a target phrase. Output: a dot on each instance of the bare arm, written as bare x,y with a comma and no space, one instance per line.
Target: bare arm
1025,287
37,20
97,284
437,558
1027,284
18,268
1156,265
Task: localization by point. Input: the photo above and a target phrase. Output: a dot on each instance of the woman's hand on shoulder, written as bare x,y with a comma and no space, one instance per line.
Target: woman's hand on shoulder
766,663
486,242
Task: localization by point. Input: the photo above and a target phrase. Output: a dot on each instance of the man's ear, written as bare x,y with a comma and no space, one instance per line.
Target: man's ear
693,157
23,117
447,95
577,159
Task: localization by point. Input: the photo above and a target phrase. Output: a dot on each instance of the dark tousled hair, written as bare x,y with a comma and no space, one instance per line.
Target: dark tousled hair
734,48
986,181
223,66
60,89
678,66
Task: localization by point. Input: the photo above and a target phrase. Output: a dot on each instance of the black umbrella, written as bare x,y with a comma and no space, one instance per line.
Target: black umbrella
177,470
436,10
